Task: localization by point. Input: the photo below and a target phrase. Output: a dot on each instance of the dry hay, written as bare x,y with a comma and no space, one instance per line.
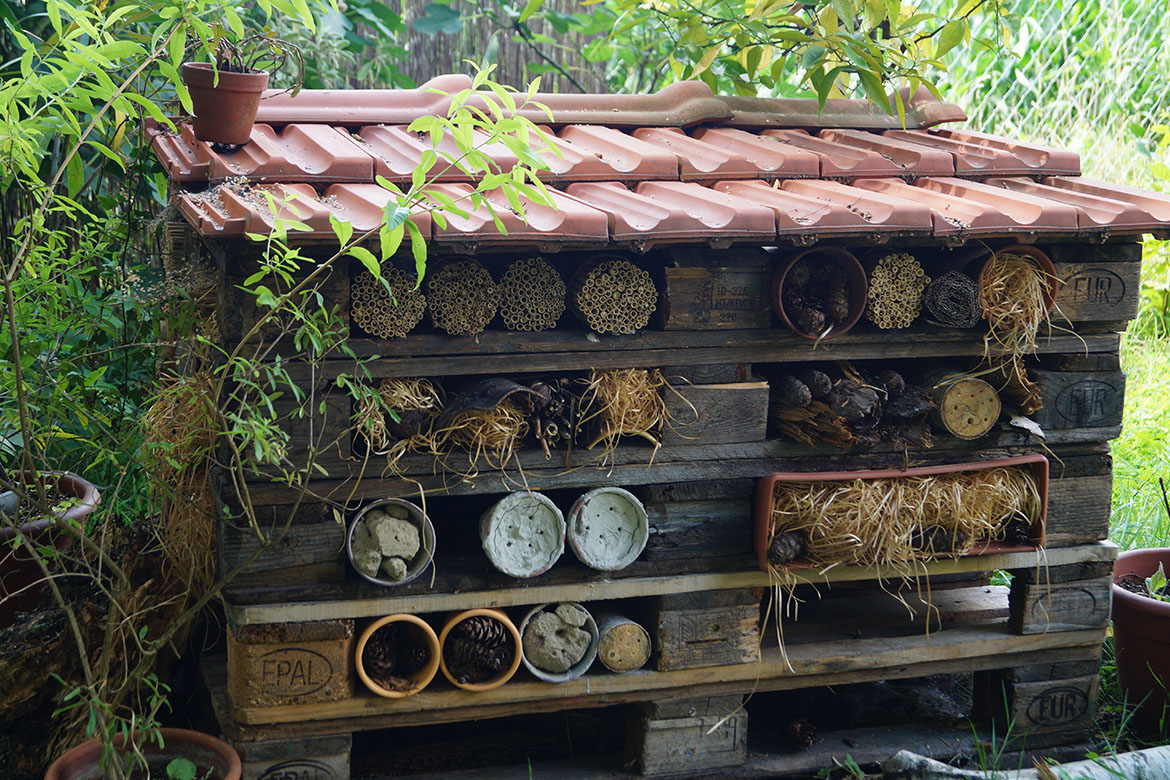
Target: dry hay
1012,291
181,431
462,297
612,295
624,402
489,433
532,295
895,521
382,313
417,404
895,291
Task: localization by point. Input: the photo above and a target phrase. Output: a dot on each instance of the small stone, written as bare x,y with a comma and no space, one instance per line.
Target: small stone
394,568
366,559
397,510
395,537
572,614
552,644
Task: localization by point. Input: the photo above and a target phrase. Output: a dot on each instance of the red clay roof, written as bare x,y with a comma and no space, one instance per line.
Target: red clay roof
682,165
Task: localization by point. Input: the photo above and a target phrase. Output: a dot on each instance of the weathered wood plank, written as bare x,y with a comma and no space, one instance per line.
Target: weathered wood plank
964,649
297,554
716,414
1079,399
688,529
237,312
1040,607
1043,705
1097,292
715,298
711,374
669,746
354,600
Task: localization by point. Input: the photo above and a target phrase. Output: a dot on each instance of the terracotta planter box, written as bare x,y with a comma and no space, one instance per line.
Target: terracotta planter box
1141,641
766,486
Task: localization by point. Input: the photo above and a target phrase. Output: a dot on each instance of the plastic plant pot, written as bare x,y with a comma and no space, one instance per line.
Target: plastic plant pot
523,534
577,669
225,110
418,564
18,570
503,676
766,486
855,278
1043,261
608,528
422,631
1141,641
214,759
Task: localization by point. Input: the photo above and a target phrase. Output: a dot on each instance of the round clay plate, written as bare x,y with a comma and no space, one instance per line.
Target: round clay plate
608,528
523,534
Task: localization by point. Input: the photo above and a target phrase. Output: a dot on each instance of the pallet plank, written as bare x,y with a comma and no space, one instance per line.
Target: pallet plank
716,414
1079,399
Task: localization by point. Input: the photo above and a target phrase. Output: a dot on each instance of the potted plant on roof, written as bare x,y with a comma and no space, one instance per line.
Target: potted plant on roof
1141,632
225,94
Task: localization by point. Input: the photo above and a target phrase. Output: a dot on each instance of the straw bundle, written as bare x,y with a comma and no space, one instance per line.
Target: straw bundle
624,402
613,295
532,295
463,297
495,432
1012,291
895,291
894,521
381,313
417,404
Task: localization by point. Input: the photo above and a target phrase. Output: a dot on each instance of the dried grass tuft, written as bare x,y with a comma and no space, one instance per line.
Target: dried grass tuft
491,434
882,521
411,398
1012,291
624,402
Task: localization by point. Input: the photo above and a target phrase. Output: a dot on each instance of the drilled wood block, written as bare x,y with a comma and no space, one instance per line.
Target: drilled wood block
716,298
1046,599
290,663
716,414
714,628
311,758
687,745
1079,399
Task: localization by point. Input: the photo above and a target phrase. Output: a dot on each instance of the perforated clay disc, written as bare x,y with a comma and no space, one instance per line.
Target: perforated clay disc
608,528
523,534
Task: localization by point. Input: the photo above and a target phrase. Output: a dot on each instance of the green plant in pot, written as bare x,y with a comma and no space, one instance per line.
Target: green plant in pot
225,94
1141,633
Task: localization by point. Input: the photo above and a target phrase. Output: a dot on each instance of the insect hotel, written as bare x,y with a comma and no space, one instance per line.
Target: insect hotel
758,408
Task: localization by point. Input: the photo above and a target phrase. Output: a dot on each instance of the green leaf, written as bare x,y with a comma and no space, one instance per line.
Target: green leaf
390,239
439,19
1156,584
342,229
367,258
181,769
529,9
418,247
950,36
74,175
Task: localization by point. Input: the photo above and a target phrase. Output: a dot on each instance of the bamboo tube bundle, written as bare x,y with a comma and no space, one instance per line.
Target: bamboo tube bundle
532,295
896,289
953,300
624,402
462,297
382,313
613,295
1014,291
893,521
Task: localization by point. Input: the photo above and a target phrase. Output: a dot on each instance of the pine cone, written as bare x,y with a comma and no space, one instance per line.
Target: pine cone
483,630
787,547
802,734
479,648
892,381
414,659
837,301
818,382
1017,533
937,539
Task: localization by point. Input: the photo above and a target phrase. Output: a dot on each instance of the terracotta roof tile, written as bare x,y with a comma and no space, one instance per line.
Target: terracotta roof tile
914,159
1156,204
699,161
884,213
772,160
922,110
1024,212
629,158
1094,211
801,215
981,154
838,160
569,223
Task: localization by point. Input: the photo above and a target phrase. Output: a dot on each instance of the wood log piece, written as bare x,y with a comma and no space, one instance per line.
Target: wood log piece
967,408
716,628
624,645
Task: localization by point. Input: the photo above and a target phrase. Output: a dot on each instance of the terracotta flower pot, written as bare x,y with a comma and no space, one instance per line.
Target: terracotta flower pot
18,570
503,676
855,278
422,677
210,755
225,110
1141,641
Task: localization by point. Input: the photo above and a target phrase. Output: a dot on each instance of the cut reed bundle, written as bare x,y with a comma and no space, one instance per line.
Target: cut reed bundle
462,297
612,295
532,295
896,288
894,521
387,314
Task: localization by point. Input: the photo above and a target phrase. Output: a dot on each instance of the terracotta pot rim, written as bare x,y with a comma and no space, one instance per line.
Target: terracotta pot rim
202,74
424,675
89,751
503,676
67,482
1138,603
853,270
